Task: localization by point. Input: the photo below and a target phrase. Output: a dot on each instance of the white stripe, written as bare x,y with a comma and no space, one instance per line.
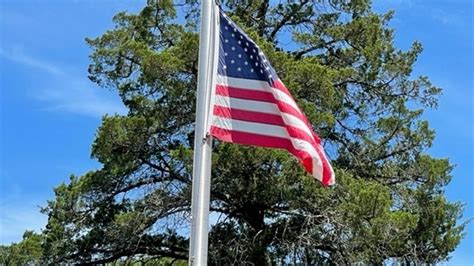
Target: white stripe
251,127
332,179
281,96
248,84
293,121
317,163
257,85
262,107
256,106
275,131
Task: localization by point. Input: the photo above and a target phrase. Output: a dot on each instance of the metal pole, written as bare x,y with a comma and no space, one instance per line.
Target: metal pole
198,242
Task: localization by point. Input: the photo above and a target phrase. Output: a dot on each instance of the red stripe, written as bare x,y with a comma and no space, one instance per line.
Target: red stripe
262,96
263,118
245,94
250,116
252,139
286,108
277,84
300,134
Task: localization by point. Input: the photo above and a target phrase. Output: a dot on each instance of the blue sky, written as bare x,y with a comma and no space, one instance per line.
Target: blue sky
49,110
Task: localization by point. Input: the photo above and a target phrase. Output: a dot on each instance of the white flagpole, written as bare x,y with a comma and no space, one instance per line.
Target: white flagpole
198,242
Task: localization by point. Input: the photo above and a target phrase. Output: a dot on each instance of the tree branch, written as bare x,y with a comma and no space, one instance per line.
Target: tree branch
284,21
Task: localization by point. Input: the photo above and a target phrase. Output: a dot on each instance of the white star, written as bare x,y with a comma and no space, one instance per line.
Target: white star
247,44
239,42
267,68
241,37
269,76
256,64
225,27
239,55
251,56
253,50
251,70
245,49
246,63
225,66
261,71
232,61
233,35
238,69
226,54
235,30
226,40
233,48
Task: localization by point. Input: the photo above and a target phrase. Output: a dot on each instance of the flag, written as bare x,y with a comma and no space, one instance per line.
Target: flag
253,107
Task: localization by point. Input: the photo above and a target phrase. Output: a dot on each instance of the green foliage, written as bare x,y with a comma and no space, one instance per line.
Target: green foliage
26,252
359,94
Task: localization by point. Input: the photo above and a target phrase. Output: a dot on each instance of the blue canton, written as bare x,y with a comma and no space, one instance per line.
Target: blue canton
239,56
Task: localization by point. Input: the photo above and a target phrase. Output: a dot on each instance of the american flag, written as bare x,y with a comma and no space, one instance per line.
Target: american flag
253,107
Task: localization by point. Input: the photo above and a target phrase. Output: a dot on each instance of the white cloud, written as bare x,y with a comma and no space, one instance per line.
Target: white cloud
16,55
80,97
455,16
64,91
458,18
18,217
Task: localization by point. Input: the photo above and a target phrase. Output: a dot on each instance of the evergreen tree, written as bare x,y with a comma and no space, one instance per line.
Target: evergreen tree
339,61
27,252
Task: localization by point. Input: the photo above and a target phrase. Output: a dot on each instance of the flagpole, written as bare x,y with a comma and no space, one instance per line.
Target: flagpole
201,185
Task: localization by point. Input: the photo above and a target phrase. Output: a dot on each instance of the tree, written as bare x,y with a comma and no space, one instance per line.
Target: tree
351,81
27,252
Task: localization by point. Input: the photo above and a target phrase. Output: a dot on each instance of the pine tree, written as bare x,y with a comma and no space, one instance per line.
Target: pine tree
27,252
